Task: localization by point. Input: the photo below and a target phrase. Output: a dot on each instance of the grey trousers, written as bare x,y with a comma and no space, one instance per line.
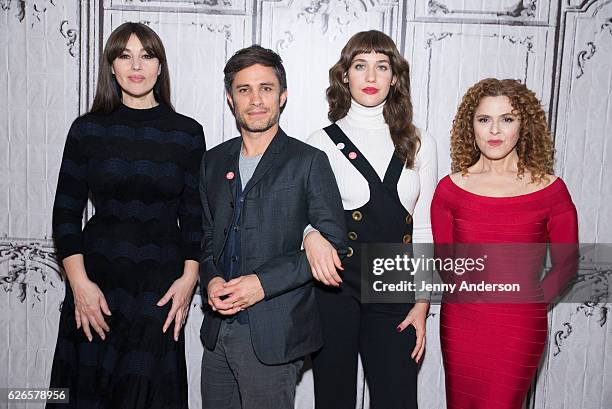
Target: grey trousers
233,377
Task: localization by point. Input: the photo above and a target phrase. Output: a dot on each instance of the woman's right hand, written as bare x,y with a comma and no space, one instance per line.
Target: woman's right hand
323,259
89,304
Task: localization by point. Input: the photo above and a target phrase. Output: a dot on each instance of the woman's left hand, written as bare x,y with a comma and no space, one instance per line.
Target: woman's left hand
416,317
180,292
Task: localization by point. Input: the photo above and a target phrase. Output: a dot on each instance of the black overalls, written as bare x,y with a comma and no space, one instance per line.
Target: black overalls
350,327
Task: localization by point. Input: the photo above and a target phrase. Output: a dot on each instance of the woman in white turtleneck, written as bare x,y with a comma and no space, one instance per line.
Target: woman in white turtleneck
386,171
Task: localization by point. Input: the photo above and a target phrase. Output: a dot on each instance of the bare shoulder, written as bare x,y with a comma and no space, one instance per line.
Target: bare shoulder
543,183
458,179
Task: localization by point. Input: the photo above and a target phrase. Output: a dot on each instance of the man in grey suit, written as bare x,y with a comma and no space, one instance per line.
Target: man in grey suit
259,191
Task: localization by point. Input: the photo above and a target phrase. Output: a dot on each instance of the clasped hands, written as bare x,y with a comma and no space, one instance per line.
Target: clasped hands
233,296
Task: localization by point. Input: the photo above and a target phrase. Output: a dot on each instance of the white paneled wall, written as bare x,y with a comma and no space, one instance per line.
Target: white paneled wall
48,64
39,86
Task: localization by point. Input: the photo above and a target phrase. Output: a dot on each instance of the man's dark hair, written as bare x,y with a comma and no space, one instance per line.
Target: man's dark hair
252,55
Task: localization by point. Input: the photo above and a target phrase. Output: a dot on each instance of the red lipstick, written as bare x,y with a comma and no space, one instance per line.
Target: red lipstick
370,90
494,142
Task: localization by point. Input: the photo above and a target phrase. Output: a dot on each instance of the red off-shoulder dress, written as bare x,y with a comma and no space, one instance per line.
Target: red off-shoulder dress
491,350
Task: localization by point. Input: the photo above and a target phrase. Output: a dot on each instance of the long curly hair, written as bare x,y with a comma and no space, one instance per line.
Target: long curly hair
398,107
534,147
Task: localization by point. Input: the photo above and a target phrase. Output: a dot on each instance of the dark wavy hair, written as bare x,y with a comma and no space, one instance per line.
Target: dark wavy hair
108,91
535,147
398,107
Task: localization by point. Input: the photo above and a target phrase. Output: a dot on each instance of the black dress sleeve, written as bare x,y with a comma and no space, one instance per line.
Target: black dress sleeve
190,208
70,196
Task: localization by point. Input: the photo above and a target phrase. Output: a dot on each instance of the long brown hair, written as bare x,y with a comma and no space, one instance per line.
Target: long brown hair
534,147
108,91
398,106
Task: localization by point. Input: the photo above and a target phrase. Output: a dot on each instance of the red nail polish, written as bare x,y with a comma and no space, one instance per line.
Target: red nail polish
398,329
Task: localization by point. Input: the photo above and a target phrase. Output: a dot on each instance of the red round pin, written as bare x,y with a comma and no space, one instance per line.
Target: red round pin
229,175
352,155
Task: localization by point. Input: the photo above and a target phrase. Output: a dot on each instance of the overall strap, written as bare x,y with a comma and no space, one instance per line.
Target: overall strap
394,171
350,151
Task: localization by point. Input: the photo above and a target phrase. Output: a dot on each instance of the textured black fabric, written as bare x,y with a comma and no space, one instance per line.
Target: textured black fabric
350,327
141,168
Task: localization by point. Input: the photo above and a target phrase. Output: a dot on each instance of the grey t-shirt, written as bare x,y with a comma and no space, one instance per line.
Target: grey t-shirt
247,165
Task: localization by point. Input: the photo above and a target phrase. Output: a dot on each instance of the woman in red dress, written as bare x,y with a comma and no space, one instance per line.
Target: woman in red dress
503,191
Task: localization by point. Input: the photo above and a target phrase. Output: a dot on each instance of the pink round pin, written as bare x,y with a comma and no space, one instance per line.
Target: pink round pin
229,175
352,155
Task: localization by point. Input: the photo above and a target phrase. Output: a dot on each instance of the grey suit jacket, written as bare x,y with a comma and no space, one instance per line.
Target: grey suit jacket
293,186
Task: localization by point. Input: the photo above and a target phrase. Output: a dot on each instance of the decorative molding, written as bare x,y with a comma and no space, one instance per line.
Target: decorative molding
433,7
584,6
523,8
434,37
210,3
591,48
224,29
526,41
36,9
224,7
284,42
596,283
581,5
336,15
561,336
29,265
71,35
589,309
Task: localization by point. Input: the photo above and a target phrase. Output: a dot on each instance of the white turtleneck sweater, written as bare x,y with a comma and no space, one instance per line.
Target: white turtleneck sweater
367,129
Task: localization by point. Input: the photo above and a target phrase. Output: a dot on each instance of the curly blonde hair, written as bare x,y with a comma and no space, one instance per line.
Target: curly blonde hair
535,146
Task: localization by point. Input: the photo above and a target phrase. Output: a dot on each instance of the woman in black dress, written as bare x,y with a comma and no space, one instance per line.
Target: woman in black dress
133,268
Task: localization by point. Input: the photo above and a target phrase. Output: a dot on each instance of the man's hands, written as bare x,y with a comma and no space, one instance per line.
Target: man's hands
323,259
230,297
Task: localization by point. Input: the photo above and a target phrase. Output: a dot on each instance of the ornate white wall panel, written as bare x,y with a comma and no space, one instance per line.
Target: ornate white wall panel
578,348
448,58
30,299
39,89
580,333
584,151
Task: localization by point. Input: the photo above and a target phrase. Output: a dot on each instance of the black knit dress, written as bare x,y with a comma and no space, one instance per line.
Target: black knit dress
141,168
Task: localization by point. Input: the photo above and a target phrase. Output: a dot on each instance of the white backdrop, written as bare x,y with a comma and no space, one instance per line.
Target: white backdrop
48,65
